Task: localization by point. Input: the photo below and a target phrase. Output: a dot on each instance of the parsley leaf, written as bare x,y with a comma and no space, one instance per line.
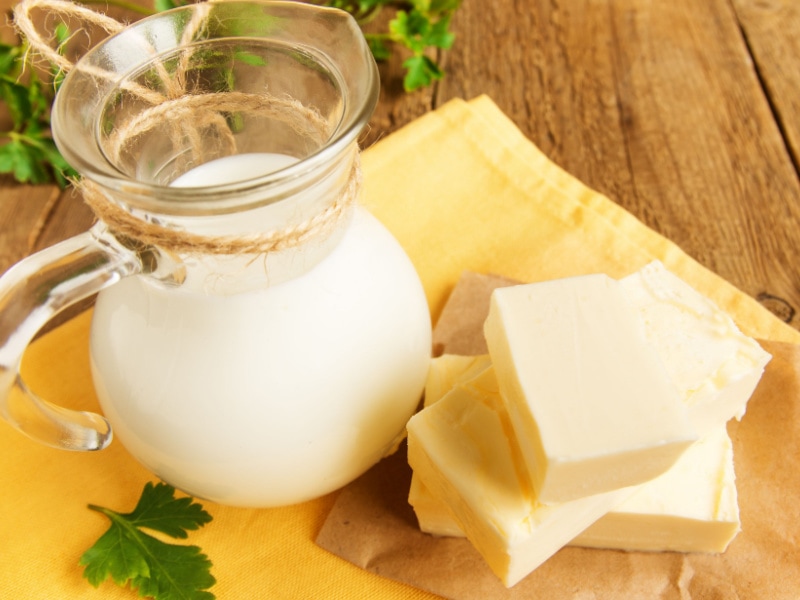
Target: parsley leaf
420,72
426,25
28,152
417,25
378,46
157,569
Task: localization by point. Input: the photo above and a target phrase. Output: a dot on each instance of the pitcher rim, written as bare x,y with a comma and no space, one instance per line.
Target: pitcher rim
227,197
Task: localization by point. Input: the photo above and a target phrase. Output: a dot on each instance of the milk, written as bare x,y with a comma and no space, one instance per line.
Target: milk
234,168
274,395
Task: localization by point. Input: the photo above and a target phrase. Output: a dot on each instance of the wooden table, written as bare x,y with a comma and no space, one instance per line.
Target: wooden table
687,113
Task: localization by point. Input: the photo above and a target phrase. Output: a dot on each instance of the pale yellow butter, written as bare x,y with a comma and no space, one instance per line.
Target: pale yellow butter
690,508
592,406
462,449
444,374
711,361
448,370
433,515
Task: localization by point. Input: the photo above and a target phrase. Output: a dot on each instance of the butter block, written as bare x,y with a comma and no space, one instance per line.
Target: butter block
445,373
691,508
711,361
433,515
448,370
462,449
591,404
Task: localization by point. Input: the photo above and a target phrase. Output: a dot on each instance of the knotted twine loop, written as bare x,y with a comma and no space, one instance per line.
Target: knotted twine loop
189,114
24,23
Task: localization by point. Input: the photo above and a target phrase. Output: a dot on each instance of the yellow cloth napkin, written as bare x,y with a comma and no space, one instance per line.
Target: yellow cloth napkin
461,189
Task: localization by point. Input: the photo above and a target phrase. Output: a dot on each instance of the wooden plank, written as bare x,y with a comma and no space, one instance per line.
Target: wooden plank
702,140
657,105
33,217
70,216
770,28
550,69
24,212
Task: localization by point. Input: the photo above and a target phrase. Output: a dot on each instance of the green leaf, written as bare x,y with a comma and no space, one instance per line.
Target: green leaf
62,172
32,158
420,72
159,510
377,45
8,59
24,160
444,7
112,555
162,5
17,99
410,28
439,34
155,568
8,156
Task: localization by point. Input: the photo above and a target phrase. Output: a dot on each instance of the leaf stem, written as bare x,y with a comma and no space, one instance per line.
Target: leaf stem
99,509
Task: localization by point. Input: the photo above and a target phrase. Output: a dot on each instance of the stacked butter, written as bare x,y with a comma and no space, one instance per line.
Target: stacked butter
597,419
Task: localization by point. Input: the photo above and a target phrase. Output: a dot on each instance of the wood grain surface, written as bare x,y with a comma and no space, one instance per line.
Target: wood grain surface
683,112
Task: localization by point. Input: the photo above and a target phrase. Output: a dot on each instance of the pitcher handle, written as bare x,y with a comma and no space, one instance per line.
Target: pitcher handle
31,293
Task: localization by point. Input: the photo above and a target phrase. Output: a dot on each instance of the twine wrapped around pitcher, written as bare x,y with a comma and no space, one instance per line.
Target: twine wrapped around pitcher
191,116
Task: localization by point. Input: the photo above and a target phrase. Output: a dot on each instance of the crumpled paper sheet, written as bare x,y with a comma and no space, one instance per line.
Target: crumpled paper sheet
372,525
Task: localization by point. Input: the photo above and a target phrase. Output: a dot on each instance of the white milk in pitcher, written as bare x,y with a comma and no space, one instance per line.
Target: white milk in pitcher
275,395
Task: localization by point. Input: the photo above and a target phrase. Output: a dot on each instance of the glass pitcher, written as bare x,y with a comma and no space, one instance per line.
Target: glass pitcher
258,339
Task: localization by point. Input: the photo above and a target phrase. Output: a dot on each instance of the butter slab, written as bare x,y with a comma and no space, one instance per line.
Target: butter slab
445,373
448,370
592,405
462,450
711,361
693,507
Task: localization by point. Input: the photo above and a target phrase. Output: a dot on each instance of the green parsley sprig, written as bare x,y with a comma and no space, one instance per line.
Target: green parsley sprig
157,569
28,151
418,25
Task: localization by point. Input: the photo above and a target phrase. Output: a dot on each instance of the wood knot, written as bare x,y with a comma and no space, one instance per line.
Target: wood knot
777,306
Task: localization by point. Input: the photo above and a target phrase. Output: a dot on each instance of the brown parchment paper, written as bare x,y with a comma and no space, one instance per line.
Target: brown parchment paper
372,525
